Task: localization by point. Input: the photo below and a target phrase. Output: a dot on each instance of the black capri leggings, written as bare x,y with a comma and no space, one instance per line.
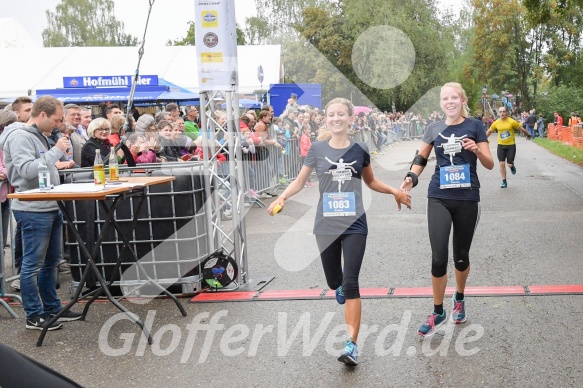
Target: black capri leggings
331,249
441,214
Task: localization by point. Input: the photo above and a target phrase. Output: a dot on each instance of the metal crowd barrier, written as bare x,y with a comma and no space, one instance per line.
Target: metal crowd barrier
170,238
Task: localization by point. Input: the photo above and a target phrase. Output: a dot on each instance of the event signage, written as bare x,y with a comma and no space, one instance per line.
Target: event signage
108,81
260,73
216,44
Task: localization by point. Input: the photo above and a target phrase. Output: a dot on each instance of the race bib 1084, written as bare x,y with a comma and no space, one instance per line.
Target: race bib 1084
454,176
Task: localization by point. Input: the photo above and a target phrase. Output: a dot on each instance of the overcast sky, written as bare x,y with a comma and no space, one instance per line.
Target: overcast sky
168,20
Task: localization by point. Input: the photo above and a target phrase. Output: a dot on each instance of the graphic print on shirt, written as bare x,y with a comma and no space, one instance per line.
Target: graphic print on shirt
340,203
342,173
453,145
453,176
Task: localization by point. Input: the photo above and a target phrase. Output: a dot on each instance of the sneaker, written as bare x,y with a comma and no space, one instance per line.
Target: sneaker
504,185
513,170
434,322
64,267
264,196
38,323
458,315
15,285
69,316
340,295
349,354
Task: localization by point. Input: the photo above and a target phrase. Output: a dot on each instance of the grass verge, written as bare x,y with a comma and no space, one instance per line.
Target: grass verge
572,154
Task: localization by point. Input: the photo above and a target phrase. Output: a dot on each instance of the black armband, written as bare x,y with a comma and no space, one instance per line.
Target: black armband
413,176
418,160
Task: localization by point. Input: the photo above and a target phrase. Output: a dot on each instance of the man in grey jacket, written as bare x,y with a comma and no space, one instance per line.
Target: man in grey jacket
41,221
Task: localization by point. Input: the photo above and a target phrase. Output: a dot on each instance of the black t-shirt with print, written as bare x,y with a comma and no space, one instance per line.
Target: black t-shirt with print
354,158
439,133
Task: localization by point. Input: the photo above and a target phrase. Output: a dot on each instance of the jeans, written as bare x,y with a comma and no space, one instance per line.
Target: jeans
530,131
17,247
42,250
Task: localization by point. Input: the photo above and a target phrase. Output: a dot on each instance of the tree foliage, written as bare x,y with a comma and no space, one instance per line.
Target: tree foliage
323,53
503,48
85,23
563,99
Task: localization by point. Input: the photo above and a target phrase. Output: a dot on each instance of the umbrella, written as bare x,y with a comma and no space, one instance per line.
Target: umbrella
358,109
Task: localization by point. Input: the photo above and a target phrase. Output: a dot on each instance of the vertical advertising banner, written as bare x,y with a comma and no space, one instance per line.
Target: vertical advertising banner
216,44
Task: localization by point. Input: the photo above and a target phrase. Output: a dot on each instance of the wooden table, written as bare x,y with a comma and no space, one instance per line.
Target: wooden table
118,191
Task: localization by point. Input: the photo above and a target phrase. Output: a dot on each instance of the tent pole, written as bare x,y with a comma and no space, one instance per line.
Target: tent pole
136,75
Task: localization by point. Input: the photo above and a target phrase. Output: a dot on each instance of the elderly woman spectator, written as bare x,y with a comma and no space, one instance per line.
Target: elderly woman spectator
142,148
98,133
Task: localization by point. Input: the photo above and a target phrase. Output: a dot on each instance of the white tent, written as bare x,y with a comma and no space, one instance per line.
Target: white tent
13,35
24,69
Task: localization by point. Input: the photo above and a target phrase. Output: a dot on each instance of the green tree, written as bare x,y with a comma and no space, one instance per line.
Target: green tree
257,31
563,99
189,39
333,30
541,11
97,27
276,19
504,46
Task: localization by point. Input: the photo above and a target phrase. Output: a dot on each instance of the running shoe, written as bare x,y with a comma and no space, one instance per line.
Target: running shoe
504,185
349,354
513,170
340,295
69,316
38,323
434,322
458,315
16,284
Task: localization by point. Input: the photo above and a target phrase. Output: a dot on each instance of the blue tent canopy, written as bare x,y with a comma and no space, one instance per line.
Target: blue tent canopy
97,95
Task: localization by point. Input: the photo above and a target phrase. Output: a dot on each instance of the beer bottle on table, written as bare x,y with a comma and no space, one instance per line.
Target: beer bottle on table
44,175
113,166
98,169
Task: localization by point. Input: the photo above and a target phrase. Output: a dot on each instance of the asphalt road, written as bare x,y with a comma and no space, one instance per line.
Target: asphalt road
529,234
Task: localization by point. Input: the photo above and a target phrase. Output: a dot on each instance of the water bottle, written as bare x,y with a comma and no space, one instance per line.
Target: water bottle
44,175
98,169
113,166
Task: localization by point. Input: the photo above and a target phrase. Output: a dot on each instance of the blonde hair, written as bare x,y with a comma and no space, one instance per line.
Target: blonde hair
99,122
117,122
462,94
323,132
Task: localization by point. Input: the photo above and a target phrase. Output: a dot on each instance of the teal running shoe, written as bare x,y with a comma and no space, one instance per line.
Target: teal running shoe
458,315
513,170
340,295
349,354
434,322
504,185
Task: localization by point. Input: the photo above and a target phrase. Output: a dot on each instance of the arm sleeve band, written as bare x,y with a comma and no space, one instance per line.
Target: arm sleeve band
418,160
413,176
